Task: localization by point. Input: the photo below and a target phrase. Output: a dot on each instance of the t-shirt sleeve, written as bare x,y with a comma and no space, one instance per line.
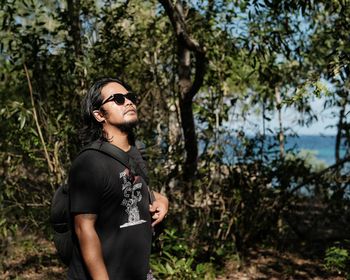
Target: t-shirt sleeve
86,183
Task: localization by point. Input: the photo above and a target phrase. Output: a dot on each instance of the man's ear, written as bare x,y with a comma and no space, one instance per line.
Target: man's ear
99,116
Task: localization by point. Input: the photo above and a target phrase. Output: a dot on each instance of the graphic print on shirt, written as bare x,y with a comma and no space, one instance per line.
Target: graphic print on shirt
132,195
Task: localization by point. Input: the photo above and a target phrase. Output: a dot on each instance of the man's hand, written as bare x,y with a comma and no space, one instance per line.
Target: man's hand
159,208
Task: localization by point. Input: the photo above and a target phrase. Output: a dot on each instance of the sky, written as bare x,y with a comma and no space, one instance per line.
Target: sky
253,124
325,119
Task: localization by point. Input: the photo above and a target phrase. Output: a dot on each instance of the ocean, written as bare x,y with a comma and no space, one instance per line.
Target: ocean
320,147
323,147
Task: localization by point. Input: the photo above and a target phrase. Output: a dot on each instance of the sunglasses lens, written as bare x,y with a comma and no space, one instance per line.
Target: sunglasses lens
119,98
132,97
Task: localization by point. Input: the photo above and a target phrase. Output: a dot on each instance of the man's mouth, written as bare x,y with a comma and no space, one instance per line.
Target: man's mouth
130,111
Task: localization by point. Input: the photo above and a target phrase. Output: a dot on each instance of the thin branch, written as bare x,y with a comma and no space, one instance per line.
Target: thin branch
322,172
37,120
280,203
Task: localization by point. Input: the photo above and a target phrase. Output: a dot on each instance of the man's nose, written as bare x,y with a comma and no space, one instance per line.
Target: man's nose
128,101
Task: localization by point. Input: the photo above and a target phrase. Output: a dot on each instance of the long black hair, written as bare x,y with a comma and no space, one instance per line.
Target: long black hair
92,129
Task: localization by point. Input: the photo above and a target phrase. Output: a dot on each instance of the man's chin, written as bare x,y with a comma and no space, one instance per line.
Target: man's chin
127,126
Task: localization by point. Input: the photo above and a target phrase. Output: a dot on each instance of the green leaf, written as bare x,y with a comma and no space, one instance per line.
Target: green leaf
169,269
22,120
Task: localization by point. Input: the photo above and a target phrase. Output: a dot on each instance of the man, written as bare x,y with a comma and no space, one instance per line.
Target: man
110,206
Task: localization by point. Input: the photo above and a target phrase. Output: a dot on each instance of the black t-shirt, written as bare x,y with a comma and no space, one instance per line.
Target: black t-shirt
99,184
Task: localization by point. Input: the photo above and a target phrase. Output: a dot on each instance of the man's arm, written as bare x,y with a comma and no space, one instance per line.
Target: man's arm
90,245
159,208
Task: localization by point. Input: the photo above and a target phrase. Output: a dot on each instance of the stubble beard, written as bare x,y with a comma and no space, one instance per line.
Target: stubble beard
127,127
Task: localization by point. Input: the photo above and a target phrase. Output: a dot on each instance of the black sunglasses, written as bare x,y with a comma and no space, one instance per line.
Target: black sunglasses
119,98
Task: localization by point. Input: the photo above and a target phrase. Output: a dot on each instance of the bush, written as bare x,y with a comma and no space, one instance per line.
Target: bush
337,260
176,260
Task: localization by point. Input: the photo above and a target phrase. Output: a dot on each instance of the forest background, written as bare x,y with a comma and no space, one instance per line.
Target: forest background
198,66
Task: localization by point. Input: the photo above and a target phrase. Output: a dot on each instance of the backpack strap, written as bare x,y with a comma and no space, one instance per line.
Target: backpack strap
124,158
141,168
110,150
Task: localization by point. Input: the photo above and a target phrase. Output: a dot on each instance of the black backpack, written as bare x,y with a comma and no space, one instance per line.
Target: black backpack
60,214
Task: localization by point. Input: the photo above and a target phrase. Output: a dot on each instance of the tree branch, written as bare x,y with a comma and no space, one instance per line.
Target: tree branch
178,22
199,76
319,174
37,120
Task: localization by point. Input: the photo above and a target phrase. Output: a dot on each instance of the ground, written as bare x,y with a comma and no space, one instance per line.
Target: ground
273,265
31,258
35,259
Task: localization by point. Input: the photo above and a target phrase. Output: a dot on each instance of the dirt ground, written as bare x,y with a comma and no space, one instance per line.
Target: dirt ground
270,264
39,262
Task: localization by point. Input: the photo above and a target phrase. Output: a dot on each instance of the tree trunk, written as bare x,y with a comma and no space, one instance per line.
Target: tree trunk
74,31
280,121
188,127
188,86
339,132
187,118
339,191
74,25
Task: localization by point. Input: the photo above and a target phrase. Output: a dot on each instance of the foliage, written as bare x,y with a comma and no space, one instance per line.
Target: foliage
337,260
176,259
244,192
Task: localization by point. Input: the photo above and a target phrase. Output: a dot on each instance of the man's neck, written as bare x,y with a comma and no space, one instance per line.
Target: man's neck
119,139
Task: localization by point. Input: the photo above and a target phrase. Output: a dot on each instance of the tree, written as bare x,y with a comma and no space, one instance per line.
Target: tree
188,87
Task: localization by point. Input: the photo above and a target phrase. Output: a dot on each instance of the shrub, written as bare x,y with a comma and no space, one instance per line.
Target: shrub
176,260
337,260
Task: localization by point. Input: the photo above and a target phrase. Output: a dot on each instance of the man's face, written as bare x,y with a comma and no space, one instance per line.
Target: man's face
118,114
